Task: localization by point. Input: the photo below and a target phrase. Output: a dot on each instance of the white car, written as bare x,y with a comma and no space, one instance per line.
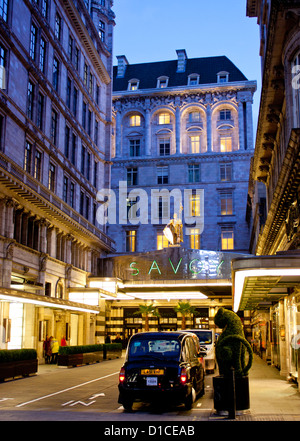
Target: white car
207,341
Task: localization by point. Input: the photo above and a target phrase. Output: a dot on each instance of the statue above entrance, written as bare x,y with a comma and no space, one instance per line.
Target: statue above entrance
173,231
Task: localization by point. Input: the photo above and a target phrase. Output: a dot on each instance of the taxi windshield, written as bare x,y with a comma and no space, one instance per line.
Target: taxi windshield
154,348
204,337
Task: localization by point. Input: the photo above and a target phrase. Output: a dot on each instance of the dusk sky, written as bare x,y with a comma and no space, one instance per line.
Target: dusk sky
152,30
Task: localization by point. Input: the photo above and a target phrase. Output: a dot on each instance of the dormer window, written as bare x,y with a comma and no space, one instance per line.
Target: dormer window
162,82
223,77
193,79
133,84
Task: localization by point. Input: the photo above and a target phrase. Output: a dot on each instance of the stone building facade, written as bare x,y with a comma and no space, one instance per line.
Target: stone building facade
273,293
183,126
55,131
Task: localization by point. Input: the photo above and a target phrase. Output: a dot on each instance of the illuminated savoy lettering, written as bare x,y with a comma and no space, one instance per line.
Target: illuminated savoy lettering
195,266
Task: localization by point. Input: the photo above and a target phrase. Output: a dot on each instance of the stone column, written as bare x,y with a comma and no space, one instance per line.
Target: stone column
147,133
43,235
249,125
68,252
9,218
118,132
178,130
241,126
8,248
208,128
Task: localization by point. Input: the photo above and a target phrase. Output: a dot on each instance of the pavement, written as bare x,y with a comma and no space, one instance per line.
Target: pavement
272,397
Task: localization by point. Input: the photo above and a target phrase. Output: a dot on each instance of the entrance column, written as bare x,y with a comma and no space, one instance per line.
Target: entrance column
283,344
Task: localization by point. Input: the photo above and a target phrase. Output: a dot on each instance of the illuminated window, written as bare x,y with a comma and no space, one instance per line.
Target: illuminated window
195,144
226,204
135,120
195,205
133,84
162,241
164,118
162,82
227,240
16,317
195,239
225,144
131,241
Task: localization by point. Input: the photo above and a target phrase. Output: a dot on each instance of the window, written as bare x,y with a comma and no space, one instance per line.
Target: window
162,82
162,241
81,208
84,108
102,30
73,152
83,154
226,203
194,117
89,127
131,241
163,207
57,27
70,47
95,173
225,144
225,172
87,207
164,118
76,58
2,67
227,239
72,194
194,173
132,207
193,79
132,176
296,90
223,77
195,239
28,157
135,147
53,133
4,9
51,181
38,165
164,147
88,166
133,84
96,132
44,9
33,40
67,141
195,205
195,144
91,84
225,114
68,93
1,131
162,175
42,60
75,99
55,73
85,74
30,97
65,189
134,120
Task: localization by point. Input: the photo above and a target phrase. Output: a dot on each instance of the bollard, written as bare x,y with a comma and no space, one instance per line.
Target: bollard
232,399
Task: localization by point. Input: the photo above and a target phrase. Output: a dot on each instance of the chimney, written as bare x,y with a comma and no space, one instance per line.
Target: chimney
182,57
122,63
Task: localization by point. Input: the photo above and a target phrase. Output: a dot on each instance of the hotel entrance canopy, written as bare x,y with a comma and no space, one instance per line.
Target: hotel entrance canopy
174,273
259,282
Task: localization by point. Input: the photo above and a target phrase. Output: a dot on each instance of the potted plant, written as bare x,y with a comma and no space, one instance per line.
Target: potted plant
146,311
79,355
231,387
17,362
185,310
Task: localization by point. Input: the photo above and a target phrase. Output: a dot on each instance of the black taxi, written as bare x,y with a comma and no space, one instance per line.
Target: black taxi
161,366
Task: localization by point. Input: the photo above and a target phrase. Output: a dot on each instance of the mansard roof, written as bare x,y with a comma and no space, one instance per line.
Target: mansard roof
147,73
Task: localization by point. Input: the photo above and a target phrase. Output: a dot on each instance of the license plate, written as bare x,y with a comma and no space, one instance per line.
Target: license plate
152,372
151,381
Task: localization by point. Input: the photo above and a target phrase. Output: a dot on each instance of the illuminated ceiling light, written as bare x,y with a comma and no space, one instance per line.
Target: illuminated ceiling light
46,304
170,296
170,285
241,275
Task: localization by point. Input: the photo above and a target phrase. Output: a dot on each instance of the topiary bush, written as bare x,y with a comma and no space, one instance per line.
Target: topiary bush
231,346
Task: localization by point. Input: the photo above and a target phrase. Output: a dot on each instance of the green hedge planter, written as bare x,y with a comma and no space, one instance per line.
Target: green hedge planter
17,362
86,354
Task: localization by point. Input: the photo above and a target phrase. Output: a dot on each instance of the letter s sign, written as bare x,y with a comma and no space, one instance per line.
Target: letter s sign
296,78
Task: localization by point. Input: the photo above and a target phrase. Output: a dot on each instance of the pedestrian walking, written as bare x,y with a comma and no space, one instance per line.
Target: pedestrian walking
47,349
54,350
